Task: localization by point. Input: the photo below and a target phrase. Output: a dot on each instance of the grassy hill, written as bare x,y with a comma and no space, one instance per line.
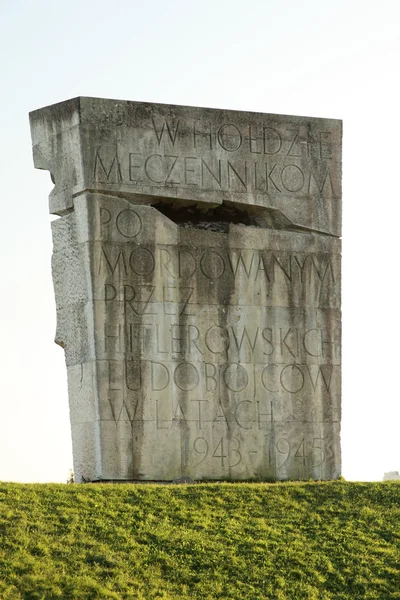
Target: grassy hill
284,540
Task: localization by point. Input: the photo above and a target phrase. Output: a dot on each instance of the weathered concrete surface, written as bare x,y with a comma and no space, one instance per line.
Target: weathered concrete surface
201,334
288,165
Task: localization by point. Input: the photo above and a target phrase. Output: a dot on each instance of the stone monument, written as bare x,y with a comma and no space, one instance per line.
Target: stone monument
196,269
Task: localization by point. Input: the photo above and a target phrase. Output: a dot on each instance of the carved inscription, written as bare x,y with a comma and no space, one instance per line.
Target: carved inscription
237,157
218,378
190,171
311,452
217,342
215,263
197,275
259,139
229,349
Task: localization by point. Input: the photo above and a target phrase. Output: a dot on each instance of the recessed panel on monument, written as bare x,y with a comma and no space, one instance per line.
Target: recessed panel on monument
196,269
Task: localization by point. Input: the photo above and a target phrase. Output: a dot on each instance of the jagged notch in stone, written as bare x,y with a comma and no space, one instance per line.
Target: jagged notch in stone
219,218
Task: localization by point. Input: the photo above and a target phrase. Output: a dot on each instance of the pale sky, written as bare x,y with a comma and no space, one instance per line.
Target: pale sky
301,57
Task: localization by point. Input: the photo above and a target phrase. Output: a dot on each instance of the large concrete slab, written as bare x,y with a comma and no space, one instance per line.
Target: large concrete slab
289,166
200,321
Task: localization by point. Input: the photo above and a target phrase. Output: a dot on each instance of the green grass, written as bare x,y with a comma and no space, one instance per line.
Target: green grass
283,540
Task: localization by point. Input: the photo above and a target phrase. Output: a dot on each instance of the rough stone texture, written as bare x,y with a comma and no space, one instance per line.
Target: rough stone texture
284,165
198,306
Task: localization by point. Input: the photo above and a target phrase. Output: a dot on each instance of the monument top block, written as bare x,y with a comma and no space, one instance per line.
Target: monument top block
288,166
